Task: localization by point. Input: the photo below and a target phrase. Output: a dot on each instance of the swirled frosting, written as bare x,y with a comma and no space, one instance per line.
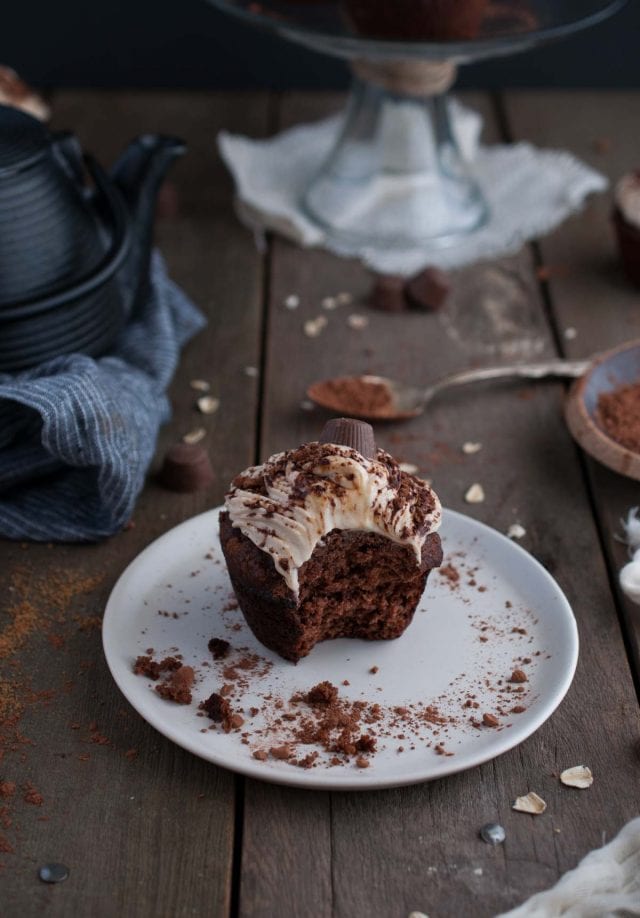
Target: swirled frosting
287,505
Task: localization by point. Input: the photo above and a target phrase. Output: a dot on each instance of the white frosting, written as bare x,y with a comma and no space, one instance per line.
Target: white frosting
339,489
627,197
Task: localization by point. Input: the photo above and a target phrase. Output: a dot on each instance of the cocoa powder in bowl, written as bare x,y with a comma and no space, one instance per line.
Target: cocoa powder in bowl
618,414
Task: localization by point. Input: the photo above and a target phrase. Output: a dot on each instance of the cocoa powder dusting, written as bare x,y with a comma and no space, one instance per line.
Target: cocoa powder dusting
38,608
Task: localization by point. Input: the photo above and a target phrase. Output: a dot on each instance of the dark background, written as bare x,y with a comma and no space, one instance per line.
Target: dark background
187,43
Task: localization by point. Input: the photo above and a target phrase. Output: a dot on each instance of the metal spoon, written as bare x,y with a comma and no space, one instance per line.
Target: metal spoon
389,400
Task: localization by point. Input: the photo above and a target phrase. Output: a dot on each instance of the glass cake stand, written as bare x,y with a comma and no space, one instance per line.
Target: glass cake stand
397,143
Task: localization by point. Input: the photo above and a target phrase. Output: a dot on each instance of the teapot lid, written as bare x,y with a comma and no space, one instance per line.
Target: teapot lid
23,139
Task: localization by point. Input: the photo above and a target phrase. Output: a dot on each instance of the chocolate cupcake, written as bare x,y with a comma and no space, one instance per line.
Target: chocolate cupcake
329,540
417,20
626,219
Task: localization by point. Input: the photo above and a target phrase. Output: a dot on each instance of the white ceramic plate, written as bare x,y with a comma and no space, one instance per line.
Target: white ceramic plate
465,640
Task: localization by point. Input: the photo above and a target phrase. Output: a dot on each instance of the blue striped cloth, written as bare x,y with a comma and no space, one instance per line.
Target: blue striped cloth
77,434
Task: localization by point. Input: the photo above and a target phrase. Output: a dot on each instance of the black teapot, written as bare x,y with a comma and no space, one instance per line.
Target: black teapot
74,257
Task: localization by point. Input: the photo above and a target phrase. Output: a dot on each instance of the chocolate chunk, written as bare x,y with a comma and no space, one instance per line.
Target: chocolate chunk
388,293
349,432
186,467
428,290
216,707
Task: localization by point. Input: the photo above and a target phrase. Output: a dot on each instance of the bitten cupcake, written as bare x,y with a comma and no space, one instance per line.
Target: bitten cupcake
329,540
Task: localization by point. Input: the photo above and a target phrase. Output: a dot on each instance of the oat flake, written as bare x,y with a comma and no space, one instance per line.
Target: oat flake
330,302
344,299
251,371
531,803
208,404
292,301
579,776
194,436
200,385
313,327
516,531
471,448
408,467
474,494
357,321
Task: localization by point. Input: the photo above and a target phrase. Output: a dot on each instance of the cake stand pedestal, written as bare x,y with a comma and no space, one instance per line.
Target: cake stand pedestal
396,176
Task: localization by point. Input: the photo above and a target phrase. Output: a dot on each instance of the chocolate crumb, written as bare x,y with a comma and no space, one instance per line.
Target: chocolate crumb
216,708
518,675
490,720
219,648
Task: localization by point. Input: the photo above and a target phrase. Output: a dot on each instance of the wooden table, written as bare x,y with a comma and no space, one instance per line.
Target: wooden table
161,833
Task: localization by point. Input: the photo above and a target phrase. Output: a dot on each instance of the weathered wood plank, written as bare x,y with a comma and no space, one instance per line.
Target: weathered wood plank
589,292
152,834
417,848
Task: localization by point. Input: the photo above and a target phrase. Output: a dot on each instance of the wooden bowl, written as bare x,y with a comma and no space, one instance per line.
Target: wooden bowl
617,367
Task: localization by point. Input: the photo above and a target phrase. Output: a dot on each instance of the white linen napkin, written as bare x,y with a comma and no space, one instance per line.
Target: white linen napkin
529,191
605,884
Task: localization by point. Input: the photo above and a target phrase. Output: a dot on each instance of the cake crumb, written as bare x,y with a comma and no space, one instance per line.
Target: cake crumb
178,686
281,752
146,666
322,693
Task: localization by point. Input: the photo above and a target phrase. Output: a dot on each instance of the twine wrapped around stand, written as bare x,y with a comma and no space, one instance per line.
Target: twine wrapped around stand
407,77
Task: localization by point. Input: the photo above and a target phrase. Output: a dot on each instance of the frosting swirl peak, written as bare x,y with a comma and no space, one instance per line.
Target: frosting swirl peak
287,505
